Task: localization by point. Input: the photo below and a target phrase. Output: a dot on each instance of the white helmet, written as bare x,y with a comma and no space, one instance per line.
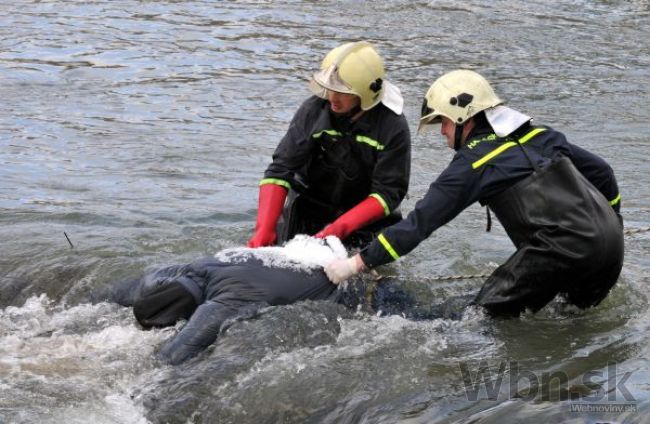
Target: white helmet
457,95
353,68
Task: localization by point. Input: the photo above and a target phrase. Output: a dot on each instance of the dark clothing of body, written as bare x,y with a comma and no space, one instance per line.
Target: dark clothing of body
334,163
209,292
563,224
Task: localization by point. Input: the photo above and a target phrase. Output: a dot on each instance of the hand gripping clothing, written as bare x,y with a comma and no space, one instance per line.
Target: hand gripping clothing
333,164
562,218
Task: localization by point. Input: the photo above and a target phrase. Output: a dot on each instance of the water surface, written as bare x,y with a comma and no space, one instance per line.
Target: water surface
141,129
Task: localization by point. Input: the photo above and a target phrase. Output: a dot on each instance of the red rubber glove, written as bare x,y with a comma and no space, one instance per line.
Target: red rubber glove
366,212
270,206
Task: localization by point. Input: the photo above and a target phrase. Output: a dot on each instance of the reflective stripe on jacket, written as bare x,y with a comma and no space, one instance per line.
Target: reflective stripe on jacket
343,162
485,166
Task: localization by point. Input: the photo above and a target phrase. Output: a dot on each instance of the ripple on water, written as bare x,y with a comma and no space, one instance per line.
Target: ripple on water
141,129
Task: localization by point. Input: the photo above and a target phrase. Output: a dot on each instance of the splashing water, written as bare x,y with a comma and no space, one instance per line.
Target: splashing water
141,129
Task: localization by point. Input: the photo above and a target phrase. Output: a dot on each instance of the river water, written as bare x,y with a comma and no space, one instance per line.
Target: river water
140,130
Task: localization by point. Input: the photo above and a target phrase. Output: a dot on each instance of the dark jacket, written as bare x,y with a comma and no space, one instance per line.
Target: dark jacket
210,292
342,162
484,167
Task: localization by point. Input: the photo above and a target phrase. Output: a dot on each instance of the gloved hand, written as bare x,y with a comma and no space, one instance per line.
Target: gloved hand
340,270
271,201
366,212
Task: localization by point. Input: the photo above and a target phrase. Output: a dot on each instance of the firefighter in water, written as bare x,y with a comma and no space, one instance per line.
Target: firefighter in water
558,203
343,166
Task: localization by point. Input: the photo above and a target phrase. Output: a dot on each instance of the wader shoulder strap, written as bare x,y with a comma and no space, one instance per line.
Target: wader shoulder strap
536,168
519,143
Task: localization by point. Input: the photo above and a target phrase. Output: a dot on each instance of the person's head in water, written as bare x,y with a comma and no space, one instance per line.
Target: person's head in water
457,101
351,77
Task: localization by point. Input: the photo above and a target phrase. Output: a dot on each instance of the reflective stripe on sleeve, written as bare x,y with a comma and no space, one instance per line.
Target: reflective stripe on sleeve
388,247
616,200
506,146
382,202
276,181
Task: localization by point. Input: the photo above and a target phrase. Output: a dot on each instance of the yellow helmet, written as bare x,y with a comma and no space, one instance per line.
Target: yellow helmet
353,68
457,95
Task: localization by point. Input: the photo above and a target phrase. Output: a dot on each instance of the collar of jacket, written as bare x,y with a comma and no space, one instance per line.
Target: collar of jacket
343,123
505,121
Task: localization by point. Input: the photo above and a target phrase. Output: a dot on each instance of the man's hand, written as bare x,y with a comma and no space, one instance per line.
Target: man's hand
340,270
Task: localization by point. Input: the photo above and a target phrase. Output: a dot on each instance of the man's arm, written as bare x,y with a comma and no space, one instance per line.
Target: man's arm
598,172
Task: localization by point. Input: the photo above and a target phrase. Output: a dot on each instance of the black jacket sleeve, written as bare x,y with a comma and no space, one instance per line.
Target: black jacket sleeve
598,172
455,189
296,147
391,174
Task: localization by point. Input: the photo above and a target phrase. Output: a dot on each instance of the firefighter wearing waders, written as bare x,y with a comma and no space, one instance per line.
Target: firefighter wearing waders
343,166
558,203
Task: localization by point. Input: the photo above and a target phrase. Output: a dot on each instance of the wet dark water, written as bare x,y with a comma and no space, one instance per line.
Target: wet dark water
141,129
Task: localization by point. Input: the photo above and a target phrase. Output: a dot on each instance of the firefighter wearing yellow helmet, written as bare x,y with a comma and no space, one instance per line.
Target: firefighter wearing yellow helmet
558,203
343,166
353,68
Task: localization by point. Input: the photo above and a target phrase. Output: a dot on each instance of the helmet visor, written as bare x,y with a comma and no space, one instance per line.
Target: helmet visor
329,79
428,115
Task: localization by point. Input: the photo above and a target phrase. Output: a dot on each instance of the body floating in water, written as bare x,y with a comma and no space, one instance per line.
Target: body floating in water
234,283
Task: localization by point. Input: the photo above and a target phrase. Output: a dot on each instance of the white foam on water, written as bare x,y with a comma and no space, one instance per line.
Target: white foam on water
77,364
359,338
399,354
302,253
362,337
114,408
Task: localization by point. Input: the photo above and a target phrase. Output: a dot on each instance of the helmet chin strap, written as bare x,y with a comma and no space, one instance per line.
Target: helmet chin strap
458,135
